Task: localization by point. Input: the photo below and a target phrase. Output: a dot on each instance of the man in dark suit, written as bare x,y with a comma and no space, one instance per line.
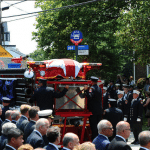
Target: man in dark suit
35,139
105,130
15,139
23,120
70,140
105,98
136,115
94,104
53,136
113,114
122,133
144,140
44,96
15,116
111,89
33,115
3,138
7,117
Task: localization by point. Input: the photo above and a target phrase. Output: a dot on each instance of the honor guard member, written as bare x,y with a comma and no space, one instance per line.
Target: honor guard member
113,114
44,96
105,98
117,89
6,103
123,105
111,89
136,111
94,104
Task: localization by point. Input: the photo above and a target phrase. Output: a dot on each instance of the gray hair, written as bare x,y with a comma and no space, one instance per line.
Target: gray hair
121,126
41,122
144,138
8,114
68,137
7,126
102,124
14,114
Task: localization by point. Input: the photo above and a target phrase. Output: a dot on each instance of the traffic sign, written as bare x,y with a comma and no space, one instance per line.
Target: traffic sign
83,47
76,37
83,52
71,47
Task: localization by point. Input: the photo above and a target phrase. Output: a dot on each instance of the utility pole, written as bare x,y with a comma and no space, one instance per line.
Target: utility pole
0,24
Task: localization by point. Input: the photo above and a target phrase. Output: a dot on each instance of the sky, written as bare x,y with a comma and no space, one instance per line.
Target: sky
20,30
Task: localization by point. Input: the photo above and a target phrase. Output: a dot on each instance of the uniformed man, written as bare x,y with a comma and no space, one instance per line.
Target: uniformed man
94,104
105,98
136,111
113,114
111,89
44,96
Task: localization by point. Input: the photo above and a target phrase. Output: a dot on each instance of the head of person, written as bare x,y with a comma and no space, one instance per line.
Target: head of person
135,94
26,147
33,113
8,114
117,86
6,101
42,125
94,80
111,82
46,114
85,146
131,78
147,94
7,126
70,140
126,89
144,139
15,138
131,88
123,129
0,111
104,89
120,94
42,82
24,109
53,135
105,127
112,102
15,115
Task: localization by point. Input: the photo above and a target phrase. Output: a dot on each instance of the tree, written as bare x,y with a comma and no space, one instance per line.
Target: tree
135,31
98,23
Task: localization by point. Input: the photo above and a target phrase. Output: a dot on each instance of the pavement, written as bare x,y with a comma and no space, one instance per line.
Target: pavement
130,140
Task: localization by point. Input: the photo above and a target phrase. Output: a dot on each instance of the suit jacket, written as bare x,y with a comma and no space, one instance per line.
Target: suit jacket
35,140
29,129
50,147
22,122
101,142
1,126
118,144
3,141
8,148
141,148
5,122
14,121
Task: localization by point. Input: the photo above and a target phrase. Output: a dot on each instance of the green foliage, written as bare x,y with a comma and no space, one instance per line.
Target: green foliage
98,23
134,31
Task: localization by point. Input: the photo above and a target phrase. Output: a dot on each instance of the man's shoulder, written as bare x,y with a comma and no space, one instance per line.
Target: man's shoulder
50,147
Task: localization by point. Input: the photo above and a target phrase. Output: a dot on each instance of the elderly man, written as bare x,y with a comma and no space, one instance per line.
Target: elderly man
105,130
122,133
15,116
136,112
53,136
5,128
36,137
23,121
144,140
33,115
70,140
15,139
7,116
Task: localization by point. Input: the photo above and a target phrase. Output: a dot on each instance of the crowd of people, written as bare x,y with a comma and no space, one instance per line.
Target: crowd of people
111,121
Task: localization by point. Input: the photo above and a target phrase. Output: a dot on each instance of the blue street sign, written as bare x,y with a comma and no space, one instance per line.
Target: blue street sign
83,47
72,47
76,35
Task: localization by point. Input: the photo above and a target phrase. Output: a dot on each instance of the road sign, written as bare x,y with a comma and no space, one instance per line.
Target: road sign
83,52
76,37
71,47
83,47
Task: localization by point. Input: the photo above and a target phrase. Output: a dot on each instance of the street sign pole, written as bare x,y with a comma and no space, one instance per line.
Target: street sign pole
76,51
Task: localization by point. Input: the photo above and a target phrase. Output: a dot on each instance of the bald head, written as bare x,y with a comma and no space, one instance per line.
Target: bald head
144,138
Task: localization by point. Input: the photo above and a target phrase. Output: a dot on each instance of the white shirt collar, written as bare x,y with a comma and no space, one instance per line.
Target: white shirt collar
104,136
66,148
38,133
10,146
54,145
144,148
121,137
